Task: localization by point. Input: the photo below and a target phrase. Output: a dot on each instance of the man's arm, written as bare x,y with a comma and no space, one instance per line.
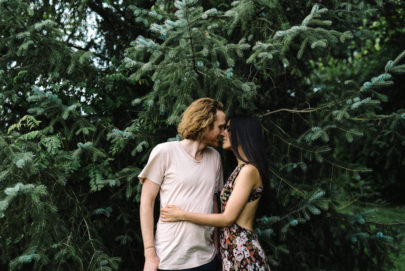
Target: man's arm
148,197
216,233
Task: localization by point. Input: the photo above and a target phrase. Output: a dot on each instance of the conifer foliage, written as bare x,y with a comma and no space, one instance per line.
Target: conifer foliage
88,88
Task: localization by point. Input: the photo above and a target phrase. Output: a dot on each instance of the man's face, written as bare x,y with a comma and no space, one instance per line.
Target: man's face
212,136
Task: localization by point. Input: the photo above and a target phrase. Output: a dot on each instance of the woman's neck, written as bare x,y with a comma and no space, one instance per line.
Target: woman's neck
240,162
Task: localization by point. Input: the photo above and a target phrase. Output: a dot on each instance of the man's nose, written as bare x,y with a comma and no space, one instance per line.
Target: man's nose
222,132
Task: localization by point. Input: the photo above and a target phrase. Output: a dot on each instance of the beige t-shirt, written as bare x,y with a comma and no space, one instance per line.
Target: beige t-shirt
190,185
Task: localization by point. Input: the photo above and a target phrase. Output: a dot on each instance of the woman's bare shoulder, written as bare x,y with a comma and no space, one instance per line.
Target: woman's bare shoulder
250,172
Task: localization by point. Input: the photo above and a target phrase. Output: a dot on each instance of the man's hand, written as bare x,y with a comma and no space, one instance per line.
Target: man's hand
151,260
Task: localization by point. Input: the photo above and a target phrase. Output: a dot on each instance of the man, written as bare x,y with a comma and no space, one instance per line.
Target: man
187,174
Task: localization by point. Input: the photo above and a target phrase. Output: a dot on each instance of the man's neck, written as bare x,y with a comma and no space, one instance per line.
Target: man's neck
194,148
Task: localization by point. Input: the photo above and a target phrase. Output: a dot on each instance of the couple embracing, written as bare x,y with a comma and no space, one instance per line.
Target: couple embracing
187,175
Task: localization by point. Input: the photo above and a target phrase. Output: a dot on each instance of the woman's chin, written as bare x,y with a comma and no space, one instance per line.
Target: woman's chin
226,146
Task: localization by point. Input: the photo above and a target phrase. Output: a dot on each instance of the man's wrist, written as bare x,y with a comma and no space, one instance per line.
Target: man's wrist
150,253
149,247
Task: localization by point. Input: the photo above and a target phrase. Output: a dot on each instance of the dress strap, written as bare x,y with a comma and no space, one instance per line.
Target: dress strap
256,194
235,173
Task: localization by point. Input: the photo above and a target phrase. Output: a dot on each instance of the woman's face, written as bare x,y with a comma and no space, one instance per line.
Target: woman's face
226,141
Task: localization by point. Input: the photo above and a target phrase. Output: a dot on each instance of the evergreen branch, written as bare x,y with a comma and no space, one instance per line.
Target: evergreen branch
89,234
306,110
331,177
86,49
21,24
286,182
374,119
342,129
346,168
258,12
87,225
348,204
299,147
300,209
278,127
191,40
386,223
293,212
310,110
268,22
320,151
398,58
111,19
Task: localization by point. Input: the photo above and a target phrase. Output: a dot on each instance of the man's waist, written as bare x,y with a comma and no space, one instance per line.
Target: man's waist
182,256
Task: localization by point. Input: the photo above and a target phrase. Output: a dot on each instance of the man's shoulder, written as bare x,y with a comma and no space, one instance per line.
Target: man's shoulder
165,146
168,144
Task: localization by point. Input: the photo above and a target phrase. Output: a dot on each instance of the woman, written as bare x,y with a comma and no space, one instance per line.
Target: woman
240,249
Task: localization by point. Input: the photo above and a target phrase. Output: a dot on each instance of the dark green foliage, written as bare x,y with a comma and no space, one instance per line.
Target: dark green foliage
87,88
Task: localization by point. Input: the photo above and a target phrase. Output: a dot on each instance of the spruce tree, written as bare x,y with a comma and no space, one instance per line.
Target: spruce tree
81,110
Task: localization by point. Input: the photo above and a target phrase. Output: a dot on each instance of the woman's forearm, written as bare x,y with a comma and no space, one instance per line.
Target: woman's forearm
216,220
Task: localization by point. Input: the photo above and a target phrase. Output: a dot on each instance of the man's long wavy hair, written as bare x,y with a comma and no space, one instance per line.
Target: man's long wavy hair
198,118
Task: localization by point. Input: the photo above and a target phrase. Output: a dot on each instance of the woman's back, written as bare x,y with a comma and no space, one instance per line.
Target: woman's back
247,216
240,248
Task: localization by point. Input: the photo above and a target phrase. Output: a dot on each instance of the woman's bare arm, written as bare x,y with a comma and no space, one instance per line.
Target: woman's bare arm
248,177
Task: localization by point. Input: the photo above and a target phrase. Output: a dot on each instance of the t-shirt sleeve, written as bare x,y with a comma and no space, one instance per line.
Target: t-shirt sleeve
156,167
219,180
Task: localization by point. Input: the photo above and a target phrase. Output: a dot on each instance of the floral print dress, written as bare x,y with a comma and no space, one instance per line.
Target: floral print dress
240,248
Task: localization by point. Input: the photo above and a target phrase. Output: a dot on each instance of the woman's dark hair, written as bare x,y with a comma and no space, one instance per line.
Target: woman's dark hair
247,132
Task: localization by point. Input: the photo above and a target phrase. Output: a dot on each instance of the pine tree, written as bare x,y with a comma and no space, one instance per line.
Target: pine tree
81,110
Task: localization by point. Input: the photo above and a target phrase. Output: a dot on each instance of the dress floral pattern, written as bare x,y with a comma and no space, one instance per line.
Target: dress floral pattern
240,248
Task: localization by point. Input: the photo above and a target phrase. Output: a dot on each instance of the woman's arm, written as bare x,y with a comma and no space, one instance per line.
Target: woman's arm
246,180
